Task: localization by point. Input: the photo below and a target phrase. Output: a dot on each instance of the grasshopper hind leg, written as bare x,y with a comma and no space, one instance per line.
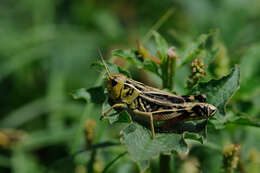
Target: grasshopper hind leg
200,98
147,115
152,126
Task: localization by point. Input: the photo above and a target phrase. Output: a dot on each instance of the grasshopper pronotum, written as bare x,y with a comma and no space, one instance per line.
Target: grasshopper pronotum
153,103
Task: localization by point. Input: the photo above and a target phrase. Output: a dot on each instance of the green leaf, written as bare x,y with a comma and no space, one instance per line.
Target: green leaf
195,50
128,55
143,148
220,123
197,132
210,55
151,66
246,121
218,92
124,117
95,94
161,44
81,94
233,118
194,136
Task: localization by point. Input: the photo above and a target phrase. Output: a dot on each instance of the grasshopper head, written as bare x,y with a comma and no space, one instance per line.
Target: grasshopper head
115,84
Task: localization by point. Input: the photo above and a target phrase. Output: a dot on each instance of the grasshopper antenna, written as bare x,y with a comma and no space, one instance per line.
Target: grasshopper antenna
103,61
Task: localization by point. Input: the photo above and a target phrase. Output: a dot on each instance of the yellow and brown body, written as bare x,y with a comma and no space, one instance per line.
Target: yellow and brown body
155,104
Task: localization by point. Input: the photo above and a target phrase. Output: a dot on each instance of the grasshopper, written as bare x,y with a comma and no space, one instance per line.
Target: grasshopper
154,104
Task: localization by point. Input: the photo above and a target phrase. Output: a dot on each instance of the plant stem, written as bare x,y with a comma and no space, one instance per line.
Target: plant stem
157,25
165,163
90,164
79,130
171,72
87,110
164,67
113,161
168,69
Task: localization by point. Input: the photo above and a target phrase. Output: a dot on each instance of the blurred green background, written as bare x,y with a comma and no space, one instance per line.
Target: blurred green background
47,46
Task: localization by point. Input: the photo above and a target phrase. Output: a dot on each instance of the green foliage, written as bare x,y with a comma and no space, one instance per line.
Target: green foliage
130,56
161,45
47,50
94,95
81,94
199,48
137,138
218,92
143,148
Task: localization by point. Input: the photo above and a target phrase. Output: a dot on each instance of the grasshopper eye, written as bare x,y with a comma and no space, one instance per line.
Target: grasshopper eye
113,82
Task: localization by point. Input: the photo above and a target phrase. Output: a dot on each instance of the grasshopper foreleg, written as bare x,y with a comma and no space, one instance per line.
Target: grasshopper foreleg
118,105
